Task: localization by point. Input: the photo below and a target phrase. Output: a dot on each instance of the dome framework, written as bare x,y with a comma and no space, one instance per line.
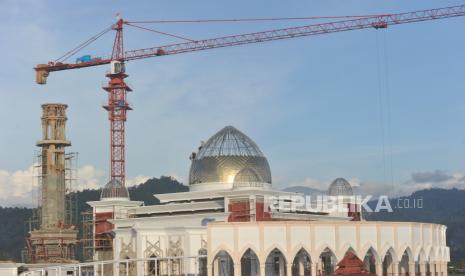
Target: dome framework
340,187
114,189
229,156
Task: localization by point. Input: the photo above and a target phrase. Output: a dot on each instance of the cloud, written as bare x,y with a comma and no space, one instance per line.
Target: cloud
136,180
90,177
417,181
322,185
438,179
311,183
16,187
20,187
436,176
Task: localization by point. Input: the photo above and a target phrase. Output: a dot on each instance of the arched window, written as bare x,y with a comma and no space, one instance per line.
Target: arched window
202,262
388,263
302,265
404,268
127,268
275,264
154,266
328,262
223,264
370,260
250,264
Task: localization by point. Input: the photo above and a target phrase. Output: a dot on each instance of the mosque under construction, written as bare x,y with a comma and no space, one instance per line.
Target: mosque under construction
230,222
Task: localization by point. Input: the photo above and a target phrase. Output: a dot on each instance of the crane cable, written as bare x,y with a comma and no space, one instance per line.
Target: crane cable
83,45
385,108
388,103
159,32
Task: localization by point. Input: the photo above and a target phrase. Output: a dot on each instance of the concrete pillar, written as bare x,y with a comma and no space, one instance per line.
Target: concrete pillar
262,269
422,269
289,269
140,266
314,269
441,268
432,268
411,268
379,268
216,267
395,268
237,269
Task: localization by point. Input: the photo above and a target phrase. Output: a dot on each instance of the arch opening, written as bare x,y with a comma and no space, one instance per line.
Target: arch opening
223,264
404,264
388,263
328,262
250,265
302,265
154,266
275,264
370,260
203,262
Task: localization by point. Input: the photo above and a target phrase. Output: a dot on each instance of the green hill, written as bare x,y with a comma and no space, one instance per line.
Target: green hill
439,206
13,228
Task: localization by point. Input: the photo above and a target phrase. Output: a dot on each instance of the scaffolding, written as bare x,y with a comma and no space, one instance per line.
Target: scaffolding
96,240
44,245
87,240
71,188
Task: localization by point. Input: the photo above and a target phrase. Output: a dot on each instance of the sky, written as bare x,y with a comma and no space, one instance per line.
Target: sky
382,108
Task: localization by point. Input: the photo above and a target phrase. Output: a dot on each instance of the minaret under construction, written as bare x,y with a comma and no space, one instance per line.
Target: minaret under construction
54,238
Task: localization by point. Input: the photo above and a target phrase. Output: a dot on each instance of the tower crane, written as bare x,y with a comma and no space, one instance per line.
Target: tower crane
117,105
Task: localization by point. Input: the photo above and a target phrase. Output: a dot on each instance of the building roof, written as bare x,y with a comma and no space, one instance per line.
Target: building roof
229,156
114,189
229,141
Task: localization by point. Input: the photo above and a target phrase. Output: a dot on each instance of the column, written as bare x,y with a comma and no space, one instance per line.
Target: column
209,270
432,267
411,268
215,267
289,269
440,268
116,256
262,269
237,269
379,268
446,273
139,255
395,268
422,269
314,269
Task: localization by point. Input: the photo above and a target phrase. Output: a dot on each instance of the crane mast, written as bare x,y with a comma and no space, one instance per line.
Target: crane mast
117,105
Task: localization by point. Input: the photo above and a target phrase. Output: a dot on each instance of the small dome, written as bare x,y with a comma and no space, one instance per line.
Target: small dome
114,190
340,187
227,157
247,175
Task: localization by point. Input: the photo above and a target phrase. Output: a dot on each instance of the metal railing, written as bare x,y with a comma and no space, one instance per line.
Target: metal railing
168,266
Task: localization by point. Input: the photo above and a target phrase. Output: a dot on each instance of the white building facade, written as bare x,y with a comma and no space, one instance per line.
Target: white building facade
225,226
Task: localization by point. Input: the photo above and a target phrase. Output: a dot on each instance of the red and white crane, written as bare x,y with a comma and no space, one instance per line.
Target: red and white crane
117,89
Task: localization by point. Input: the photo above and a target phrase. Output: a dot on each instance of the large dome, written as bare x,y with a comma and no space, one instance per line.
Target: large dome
228,159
